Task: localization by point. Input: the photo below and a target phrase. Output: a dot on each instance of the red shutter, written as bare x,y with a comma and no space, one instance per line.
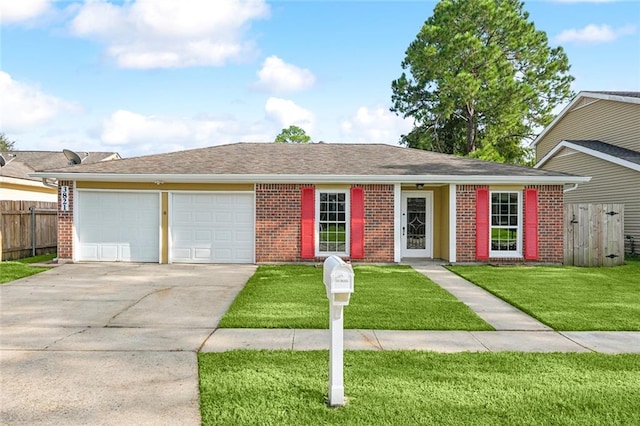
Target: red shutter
307,247
531,224
482,223
357,223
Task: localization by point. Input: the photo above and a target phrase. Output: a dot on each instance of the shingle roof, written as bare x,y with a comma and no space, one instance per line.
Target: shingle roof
306,159
605,148
21,163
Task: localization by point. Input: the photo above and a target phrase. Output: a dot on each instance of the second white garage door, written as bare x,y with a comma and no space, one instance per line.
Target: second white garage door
212,228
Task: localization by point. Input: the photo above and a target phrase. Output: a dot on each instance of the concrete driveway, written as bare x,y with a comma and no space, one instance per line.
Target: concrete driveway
109,343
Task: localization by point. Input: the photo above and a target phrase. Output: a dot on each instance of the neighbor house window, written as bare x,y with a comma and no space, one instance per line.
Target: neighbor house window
506,224
332,214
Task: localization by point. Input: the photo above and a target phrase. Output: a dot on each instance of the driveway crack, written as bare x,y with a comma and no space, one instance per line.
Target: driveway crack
135,303
65,337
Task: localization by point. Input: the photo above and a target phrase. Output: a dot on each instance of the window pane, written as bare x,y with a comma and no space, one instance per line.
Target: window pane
504,221
332,223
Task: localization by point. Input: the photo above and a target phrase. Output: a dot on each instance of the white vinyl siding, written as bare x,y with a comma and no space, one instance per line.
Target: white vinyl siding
612,122
117,226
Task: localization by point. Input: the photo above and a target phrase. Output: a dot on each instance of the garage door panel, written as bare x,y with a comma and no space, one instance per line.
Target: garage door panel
118,226
202,253
203,236
107,252
88,252
219,228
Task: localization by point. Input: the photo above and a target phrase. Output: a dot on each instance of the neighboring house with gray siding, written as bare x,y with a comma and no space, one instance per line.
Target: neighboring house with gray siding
598,135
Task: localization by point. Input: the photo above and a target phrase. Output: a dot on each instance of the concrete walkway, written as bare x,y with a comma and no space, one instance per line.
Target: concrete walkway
227,339
515,330
501,315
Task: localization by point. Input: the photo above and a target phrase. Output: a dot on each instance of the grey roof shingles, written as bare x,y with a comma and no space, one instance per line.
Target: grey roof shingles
605,148
21,163
306,159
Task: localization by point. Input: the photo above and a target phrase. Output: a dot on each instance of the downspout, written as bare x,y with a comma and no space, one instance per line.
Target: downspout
575,186
45,182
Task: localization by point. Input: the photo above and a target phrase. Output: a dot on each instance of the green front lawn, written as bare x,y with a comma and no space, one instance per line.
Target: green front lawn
385,297
410,387
567,297
14,270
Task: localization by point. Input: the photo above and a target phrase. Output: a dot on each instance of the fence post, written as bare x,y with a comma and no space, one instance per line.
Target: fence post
33,230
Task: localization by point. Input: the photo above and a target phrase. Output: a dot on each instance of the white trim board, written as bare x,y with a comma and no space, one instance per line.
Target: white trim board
588,151
316,179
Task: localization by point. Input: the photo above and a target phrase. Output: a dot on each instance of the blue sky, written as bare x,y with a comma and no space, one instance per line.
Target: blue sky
143,77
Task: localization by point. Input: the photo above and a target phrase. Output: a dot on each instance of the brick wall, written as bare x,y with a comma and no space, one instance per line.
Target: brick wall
65,224
378,223
550,235
466,222
278,223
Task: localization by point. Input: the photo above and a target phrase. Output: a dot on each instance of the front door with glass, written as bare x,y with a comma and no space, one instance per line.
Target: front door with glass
416,224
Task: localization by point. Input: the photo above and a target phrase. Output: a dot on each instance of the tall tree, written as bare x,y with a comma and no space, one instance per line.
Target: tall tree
5,143
481,81
293,134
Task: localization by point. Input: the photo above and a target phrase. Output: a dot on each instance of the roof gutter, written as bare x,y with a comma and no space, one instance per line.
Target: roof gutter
318,179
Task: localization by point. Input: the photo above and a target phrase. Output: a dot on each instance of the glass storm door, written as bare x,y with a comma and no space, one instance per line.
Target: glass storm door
416,224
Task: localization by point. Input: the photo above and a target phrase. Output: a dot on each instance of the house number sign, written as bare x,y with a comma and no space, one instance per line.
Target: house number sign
64,198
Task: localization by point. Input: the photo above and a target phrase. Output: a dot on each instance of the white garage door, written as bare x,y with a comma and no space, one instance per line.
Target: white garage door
118,226
212,228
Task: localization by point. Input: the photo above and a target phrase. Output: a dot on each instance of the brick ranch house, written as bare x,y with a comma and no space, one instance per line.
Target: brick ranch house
266,202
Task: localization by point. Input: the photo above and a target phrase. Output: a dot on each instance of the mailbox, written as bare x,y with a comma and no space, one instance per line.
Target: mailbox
338,280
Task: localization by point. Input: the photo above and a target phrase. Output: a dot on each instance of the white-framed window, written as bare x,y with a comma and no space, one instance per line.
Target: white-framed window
506,224
332,222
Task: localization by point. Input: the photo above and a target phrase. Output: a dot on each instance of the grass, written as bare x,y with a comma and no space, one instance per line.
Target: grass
14,270
410,387
43,258
385,297
567,298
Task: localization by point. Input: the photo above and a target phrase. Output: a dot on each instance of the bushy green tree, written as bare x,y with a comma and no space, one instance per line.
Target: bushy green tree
5,143
293,134
480,80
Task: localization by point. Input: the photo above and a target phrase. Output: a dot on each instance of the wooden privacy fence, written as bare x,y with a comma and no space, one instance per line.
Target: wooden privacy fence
27,228
593,234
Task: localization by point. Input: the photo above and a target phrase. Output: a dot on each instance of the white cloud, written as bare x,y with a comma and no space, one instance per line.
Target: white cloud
135,134
287,113
171,34
375,125
13,11
24,106
277,76
594,34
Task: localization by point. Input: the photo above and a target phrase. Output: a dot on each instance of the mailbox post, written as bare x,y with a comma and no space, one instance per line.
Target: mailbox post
338,281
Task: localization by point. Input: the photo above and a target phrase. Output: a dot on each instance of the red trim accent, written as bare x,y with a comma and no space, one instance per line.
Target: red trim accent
357,223
531,224
482,223
307,232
